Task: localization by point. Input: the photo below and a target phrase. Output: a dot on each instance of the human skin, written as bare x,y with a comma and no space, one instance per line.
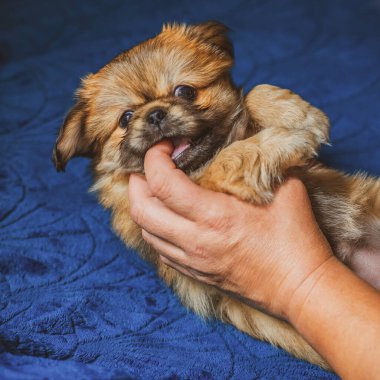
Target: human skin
273,256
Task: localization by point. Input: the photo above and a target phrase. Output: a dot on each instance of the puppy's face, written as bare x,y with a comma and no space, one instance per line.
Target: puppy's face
175,86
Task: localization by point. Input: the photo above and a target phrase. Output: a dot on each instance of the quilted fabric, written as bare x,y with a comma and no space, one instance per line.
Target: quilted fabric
74,302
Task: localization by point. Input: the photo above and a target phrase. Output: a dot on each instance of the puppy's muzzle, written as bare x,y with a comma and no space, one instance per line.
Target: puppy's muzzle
156,118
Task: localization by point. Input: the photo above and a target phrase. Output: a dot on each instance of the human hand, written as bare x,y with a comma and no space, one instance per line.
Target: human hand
261,253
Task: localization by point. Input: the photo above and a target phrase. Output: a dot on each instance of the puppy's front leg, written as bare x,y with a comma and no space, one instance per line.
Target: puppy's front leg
291,131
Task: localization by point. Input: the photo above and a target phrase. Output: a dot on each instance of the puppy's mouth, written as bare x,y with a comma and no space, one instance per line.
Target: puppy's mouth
190,153
181,144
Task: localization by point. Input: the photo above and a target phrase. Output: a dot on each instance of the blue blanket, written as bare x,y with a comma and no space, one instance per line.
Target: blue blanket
74,301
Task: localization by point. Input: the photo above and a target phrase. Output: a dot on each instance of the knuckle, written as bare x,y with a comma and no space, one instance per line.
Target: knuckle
199,251
217,219
159,185
233,241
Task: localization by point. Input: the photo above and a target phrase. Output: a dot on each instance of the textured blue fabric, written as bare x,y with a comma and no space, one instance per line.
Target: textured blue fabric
74,302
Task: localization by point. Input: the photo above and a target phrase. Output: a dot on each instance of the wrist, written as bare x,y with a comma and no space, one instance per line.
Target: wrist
309,286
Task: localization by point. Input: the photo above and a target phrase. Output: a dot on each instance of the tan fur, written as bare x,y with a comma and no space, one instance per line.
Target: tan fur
269,134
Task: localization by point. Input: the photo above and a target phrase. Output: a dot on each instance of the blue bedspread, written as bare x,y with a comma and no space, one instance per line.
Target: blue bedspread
74,302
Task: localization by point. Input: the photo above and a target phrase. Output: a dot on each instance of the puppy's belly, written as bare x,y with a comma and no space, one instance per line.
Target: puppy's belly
364,259
365,263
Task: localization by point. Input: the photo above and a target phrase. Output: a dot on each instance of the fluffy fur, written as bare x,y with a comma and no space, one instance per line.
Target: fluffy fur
241,145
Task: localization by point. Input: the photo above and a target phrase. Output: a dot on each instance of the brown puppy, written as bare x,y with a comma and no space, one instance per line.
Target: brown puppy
177,86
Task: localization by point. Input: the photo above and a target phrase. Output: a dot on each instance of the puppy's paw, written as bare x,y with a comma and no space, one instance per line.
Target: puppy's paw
242,170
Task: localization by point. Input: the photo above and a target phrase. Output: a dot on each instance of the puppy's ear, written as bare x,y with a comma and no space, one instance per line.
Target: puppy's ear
72,140
215,34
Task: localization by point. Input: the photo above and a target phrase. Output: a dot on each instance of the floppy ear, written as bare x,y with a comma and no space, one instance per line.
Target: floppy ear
215,34
72,140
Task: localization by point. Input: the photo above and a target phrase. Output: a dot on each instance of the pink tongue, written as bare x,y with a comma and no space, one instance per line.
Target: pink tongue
180,145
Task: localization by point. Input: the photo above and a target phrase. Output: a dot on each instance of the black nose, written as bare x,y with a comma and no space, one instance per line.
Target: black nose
155,117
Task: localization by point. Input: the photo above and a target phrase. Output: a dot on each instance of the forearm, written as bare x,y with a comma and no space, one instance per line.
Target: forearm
339,314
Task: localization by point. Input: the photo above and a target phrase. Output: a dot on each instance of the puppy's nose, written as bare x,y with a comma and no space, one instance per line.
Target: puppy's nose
155,117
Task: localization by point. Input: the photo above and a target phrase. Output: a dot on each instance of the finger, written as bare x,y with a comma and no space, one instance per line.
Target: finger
166,248
176,258
172,186
175,266
170,255
188,271
152,215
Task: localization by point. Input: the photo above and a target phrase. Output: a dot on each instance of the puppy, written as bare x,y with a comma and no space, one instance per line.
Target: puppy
177,86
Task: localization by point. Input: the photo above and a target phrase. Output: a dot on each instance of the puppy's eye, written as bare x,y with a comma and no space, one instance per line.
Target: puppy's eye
125,117
185,92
